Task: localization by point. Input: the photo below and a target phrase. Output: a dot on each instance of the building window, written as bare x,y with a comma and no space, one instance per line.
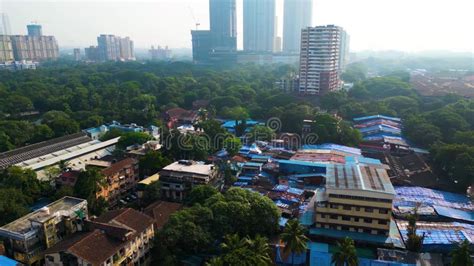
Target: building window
347,207
383,211
367,209
383,221
333,216
367,220
358,209
346,218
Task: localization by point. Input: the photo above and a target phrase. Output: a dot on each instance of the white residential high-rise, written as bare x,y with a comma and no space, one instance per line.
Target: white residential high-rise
259,25
322,58
114,48
4,24
297,14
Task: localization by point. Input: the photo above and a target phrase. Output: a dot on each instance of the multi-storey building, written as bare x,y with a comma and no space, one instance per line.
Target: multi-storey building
178,178
119,237
160,53
26,238
6,49
126,49
358,198
219,44
77,54
320,58
92,53
223,24
202,45
297,15
121,178
115,48
35,48
259,25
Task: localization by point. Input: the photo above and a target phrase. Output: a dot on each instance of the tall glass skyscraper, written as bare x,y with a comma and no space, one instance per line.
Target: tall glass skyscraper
4,24
223,21
297,15
259,25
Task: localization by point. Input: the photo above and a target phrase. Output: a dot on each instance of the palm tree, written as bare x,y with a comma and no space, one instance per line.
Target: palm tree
243,251
346,255
294,238
259,246
461,255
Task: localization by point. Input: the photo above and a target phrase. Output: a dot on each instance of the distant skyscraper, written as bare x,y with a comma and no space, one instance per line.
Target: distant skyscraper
297,15
160,53
6,49
223,21
114,48
4,24
202,45
34,30
92,53
259,25
34,46
323,50
77,54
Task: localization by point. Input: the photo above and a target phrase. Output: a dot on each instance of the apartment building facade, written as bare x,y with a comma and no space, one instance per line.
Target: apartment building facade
178,178
119,237
6,49
121,178
358,198
26,238
323,53
115,48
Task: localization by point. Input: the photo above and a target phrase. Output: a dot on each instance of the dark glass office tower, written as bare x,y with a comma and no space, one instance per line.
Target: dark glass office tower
223,20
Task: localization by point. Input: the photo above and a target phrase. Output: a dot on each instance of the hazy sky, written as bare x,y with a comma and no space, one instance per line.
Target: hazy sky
408,25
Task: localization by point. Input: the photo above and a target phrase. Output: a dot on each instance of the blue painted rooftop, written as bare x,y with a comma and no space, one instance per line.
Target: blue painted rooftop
4,261
383,128
232,123
253,164
331,146
455,214
295,162
371,117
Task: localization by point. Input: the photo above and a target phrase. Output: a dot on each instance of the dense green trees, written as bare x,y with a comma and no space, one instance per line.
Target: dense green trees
213,215
19,189
152,162
89,183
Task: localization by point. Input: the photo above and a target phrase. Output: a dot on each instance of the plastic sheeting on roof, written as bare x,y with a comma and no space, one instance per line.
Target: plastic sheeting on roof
410,196
455,214
377,117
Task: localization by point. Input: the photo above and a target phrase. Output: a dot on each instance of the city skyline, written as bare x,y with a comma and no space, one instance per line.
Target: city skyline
373,25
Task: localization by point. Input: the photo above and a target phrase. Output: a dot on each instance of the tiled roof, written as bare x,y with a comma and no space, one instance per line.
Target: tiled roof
114,168
161,211
128,217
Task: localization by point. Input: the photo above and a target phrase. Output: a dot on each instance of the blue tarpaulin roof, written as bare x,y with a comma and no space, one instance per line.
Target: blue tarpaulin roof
4,261
409,196
454,213
295,162
332,146
371,117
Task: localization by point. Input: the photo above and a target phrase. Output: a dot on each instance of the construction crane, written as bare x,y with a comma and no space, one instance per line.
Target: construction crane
196,23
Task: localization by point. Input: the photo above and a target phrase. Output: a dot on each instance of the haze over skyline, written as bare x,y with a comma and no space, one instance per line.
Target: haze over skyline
404,25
